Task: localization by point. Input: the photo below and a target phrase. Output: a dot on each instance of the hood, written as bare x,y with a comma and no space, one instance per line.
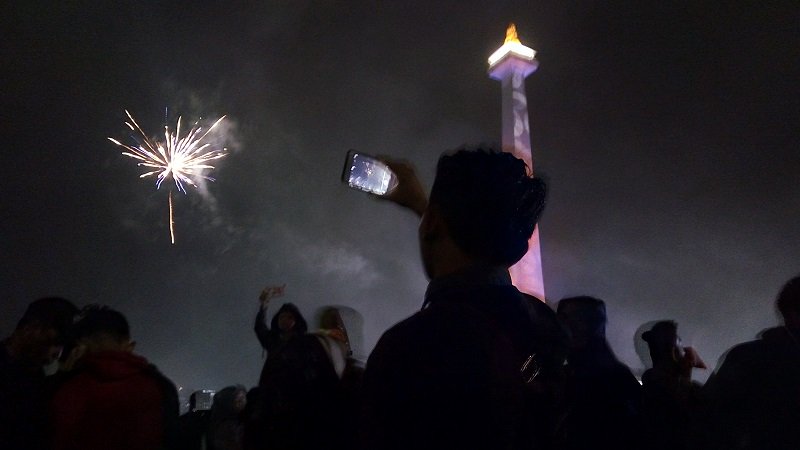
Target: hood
301,327
114,365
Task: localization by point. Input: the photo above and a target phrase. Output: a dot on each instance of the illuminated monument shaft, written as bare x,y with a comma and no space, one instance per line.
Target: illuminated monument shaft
510,64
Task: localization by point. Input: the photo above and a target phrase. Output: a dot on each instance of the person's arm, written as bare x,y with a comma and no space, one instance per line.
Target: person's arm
383,385
261,328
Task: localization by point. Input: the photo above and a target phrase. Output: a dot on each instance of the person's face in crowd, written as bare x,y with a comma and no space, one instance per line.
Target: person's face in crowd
40,345
240,401
286,321
677,349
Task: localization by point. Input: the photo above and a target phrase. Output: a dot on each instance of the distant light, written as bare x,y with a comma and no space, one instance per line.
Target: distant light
513,46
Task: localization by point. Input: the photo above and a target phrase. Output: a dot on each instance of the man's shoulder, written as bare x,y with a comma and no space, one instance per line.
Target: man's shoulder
744,352
407,330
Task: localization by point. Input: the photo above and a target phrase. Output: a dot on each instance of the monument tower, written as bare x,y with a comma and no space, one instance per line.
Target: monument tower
510,65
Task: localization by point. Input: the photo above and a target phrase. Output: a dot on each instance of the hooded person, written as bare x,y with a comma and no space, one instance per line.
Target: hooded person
286,324
115,398
310,384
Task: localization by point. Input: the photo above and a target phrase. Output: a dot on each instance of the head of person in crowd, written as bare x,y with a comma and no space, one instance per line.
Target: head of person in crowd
585,318
666,350
289,320
332,324
788,304
483,208
226,419
663,342
100,328
40,334
229,401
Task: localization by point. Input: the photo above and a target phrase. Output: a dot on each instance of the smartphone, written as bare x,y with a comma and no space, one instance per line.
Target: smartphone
367,173
204,399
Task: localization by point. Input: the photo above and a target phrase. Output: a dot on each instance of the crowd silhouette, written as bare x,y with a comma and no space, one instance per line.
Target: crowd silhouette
479,366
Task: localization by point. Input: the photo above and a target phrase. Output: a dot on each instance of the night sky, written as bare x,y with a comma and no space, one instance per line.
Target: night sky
668,133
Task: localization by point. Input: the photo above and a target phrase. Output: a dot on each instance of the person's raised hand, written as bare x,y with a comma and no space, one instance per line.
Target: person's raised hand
269,292
692,359
408,192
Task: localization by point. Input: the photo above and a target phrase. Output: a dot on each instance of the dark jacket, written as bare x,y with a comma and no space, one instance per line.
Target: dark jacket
603,405
449,376
192,429
752,401
116,400
668,402
302,404
23,404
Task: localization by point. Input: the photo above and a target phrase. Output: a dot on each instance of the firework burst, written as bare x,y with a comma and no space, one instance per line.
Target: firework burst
184,159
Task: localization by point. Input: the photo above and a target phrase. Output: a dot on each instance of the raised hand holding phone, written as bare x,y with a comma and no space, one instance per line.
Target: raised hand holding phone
270,292
409,192
388,179
368,173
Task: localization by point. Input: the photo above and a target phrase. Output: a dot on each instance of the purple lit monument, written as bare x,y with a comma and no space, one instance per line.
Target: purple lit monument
510,64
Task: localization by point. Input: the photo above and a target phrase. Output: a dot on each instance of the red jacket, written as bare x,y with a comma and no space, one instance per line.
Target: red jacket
116,400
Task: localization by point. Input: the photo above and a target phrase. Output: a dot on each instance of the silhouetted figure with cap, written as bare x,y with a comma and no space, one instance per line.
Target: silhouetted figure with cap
669,394
752,400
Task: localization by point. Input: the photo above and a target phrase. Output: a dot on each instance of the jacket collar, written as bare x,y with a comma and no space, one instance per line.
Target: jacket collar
472,276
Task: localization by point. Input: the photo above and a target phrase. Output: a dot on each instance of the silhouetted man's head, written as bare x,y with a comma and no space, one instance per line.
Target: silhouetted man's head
41,332
489,204
585,317
101,328
662,340
789,303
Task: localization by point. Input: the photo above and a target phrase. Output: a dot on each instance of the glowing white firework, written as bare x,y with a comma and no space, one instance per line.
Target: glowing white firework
182,158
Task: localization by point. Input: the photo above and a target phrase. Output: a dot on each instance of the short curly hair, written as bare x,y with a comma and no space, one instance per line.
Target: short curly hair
101,320
50,312
490,202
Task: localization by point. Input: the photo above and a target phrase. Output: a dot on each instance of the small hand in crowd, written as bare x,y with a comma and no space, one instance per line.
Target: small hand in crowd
691,359
270,292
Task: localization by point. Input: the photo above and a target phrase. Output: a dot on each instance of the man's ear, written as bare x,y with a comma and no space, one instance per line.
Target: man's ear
129,346
432,224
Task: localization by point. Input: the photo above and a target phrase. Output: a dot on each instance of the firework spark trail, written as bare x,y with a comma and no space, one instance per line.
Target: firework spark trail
171,221
182,158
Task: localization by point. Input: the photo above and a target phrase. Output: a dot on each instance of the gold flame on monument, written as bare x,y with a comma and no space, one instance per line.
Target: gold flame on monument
511,34
511,46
